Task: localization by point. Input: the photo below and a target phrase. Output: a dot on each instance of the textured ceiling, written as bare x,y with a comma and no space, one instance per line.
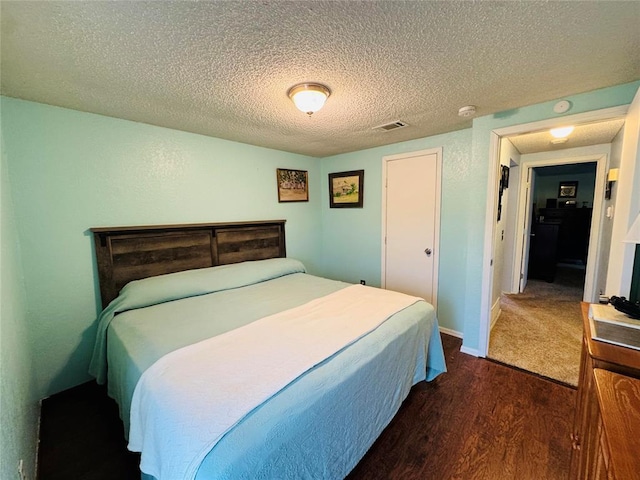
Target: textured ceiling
223,68
595,133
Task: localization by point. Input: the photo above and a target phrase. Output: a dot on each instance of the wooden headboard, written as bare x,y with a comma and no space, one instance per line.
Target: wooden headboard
130,253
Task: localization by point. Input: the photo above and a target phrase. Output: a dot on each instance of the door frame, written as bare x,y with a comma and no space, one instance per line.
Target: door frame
557,158
522,240
436,241
491,204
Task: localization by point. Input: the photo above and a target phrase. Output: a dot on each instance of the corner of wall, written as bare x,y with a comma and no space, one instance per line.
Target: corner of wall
19,405
627,205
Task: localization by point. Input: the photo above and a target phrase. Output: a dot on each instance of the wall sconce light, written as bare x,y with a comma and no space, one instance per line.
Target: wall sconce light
309,97
612,176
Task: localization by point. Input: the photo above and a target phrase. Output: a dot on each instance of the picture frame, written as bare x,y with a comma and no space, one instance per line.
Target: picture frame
568,189
293,185
504,176
346,189
504,183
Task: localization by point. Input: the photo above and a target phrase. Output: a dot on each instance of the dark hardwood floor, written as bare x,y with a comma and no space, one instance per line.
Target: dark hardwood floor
479,421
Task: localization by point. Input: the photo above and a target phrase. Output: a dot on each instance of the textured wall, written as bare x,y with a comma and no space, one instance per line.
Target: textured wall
18,398
356,252
627,206
512,196
352,242
70,171
501,251
607,222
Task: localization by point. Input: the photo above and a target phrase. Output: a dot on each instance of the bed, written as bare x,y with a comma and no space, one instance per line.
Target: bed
228,360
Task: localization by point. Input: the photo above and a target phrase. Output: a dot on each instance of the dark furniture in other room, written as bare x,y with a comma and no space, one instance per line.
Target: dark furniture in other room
559,235
573,236
543,251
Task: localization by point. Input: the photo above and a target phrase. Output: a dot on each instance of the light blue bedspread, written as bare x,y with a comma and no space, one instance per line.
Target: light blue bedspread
180,286
332,414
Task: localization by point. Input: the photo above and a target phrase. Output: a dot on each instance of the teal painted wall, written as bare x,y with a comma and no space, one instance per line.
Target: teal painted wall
547,187
71,171
351,237
18,396
352,240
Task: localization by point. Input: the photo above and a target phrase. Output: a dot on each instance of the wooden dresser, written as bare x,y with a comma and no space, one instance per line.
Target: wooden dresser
606,434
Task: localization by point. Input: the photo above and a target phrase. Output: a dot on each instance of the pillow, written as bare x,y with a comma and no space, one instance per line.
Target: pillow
190,283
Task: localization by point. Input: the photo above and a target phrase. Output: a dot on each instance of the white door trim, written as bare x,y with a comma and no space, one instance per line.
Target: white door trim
560,158
436,240
494,159
524,212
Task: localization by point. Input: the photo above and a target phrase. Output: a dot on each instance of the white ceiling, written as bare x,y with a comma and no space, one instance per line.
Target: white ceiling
223,68
583,135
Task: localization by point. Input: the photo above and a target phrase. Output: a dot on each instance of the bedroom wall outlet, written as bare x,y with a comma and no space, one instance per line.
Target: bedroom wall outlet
362,282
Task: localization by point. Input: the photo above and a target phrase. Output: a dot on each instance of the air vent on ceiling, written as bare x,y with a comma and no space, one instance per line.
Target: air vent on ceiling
387,127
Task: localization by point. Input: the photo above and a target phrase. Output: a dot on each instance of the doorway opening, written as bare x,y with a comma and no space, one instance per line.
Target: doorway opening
539,327
547,257
562,210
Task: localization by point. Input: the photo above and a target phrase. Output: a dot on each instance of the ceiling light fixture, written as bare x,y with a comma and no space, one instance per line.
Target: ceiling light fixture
309,97
561,132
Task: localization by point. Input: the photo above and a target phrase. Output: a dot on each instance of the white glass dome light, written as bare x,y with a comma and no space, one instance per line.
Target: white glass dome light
561,132
309,97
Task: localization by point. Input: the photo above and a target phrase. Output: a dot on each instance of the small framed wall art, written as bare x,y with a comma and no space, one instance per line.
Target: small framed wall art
504,176
504,183
346,189
568,190
293,185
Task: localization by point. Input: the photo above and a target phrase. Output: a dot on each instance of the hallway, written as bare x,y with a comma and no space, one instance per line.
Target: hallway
540,330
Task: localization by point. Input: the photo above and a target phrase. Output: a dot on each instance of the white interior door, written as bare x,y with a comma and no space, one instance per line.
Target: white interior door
526,228
411,223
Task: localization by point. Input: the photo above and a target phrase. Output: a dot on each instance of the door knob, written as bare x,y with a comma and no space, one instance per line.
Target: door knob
427,251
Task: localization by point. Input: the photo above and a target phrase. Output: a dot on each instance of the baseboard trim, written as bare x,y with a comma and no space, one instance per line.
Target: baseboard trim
448,331
495,313
470,351
454,333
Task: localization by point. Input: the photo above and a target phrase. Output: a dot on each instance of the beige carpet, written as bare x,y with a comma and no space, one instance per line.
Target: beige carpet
540,330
